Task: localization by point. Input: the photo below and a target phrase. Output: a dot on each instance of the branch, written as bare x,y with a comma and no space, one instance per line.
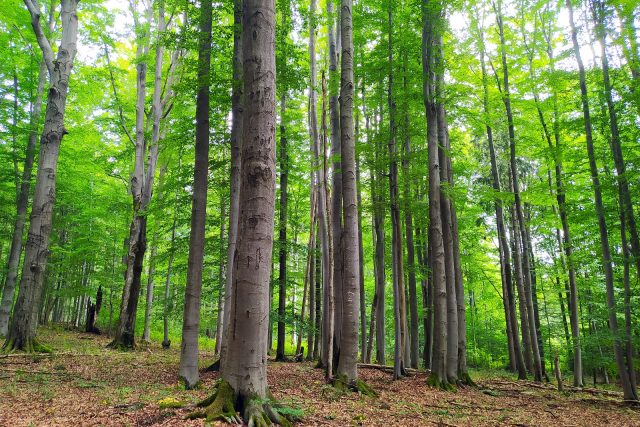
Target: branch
43,42
115,95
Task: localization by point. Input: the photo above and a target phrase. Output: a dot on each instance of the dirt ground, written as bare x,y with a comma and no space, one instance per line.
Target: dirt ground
84,384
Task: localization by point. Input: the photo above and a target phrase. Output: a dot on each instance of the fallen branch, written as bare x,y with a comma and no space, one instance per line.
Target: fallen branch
389,368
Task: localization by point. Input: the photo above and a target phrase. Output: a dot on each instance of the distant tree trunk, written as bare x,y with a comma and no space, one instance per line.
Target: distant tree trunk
396,227
347,364
308,283
363,308
627,386
13,260
282,238
93,310
317,331
503,245
150,285
168,303
408,221
222,275
22,331
520,229
188,370
336,183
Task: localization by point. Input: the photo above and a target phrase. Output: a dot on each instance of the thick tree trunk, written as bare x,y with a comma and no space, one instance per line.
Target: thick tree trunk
245,365
627,386
13,259
188,370
348,360
24,322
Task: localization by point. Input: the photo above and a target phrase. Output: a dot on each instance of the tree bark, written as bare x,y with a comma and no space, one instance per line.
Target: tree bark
188,369
13,259
348,360
22,331
245,365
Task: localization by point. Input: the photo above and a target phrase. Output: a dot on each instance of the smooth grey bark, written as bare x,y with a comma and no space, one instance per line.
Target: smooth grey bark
237,128
22,331
348,360
430,19
244,365
447,226
326,358
627,386
336,182
168,303
188,369
222,274
13,258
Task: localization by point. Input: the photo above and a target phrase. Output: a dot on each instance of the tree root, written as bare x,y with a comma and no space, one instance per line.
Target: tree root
435,382
30,345
214,367
342,384
224,405
464,379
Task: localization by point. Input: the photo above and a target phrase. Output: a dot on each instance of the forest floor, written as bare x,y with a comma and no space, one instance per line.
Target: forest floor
84,384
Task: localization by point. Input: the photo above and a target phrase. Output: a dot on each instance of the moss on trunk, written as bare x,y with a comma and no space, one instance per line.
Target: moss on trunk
342,384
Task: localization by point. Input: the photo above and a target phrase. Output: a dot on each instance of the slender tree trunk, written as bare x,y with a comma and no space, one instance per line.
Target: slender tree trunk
282,238
222,275
13,260
22,331
168,303
627,386
396,227
146,332
336,183
188,370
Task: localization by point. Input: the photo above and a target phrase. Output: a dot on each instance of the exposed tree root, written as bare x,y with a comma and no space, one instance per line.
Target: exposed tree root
224,405
464,379
342,384
435,382
30,345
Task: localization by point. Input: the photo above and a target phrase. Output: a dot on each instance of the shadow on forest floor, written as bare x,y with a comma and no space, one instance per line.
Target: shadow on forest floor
82,383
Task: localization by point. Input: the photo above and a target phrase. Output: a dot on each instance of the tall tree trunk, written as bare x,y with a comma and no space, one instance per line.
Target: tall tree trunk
336,182
222,275
347,364
188,370
396,227
237,129
520,229
21,335
13,260
627,387
431,15
282,237
146,331
408,221
244,366
168,302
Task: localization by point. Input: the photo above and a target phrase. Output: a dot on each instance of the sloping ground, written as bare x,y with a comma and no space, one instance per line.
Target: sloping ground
84,384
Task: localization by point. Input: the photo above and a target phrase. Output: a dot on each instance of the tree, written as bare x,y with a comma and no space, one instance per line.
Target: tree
191,320
22,331
243,368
